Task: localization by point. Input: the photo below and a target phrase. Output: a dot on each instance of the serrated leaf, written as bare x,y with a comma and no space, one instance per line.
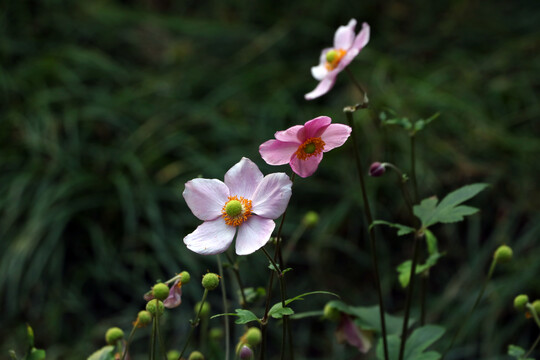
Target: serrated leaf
431,242
516,351
278,311
105,353
244,316
415,346
404,269
253,294
402,229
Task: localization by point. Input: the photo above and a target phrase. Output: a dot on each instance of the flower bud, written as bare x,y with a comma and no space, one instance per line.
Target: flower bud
196,355
246,353
331,313
143,318
536,306
204,311
310,219
216,334
520,302
185,277
253,336
173,355
155,306
210,281
113,335
503,254
160,291
377,169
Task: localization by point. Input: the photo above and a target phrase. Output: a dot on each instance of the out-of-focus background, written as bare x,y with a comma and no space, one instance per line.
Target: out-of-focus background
109,107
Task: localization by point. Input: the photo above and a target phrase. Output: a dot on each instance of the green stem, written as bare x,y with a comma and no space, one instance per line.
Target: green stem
236,272
129,341
413,169
409,296
533,313
153,340
480,294
532,347
276,266
194,323
160,340
423,292
225,309
367,211
358,86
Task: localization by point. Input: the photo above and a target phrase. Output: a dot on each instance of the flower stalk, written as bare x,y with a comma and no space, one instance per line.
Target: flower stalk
194,324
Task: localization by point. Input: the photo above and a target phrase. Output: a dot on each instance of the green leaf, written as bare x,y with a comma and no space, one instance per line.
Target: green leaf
105,353
431,242
36,354
277,311
302,315
252,294
12,354
449,209
415,346
402,229
517,352
244,316
404,269
30,333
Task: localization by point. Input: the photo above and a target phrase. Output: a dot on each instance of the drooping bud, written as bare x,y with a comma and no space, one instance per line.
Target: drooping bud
246,353
331,313
154,307
520,302
204,311
310,219
216,334
160,291
210,281
253,336
331,56
503,254
196,355
143,318
113,335
185,277
377,169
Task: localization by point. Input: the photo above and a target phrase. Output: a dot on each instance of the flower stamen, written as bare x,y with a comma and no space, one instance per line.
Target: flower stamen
236,210
333,57
310,147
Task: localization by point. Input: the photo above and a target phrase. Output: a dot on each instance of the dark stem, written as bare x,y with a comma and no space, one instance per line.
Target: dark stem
194,324
358,86
129,341
225,308
532,347
480,294
413,169
160,340
153,338
423,291
236,272
409,296
367,211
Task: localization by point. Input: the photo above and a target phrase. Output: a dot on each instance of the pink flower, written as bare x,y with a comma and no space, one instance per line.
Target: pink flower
247,201
348,332
175,295
334,60
303,146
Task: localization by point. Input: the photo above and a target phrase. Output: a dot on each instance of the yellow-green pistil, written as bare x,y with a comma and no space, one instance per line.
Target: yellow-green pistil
310,148
331,56
233,208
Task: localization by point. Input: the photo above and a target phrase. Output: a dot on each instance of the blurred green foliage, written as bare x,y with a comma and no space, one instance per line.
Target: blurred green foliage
109,107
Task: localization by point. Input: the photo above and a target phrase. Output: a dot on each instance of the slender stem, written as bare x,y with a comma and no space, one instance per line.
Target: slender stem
480,294
236,272
367,211
276,266
153,340
160,340
423,291
409,296
534,314
358,86
194,324
129,341
225,309
532,347
413,168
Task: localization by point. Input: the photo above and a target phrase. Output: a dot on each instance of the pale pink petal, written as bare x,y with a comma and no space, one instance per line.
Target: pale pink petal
363,37
323,87
348,332
314,127
206,197
346,60
319,71
253,234
307,167
276,152
243,178
335,135
289,135
211,237
344,37
175,296
272,195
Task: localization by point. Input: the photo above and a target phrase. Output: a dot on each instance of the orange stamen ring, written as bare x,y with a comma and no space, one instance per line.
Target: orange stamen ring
340,53
240,218
309,143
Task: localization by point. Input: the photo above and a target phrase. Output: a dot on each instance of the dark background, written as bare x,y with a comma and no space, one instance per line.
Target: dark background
109,107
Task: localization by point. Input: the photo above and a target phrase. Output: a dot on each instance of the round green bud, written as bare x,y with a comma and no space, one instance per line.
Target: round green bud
210,281
216,334
331,56
503,254
331,313
520,302
205,310
155,306
253,336
233,208
185,277
173,355
310,219
310,148
160,291
536,306
196,355
113,335
144,318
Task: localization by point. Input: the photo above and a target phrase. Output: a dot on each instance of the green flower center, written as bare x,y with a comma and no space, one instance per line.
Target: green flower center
310,148
233,208
331,56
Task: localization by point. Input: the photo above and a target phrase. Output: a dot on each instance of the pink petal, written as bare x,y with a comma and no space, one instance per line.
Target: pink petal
319,71
253,234
175,296
272,195
206,197
363,37
344,37
324,86
243,178
211,237
348,332
289,135
307,167
314,127
346,60
276,152
335,135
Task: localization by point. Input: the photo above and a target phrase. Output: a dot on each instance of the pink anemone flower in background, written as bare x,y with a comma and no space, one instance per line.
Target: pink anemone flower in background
245,205
302,146
334,60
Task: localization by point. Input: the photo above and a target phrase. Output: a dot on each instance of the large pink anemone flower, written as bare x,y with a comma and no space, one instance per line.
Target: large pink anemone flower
247,201
303,146
333,60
